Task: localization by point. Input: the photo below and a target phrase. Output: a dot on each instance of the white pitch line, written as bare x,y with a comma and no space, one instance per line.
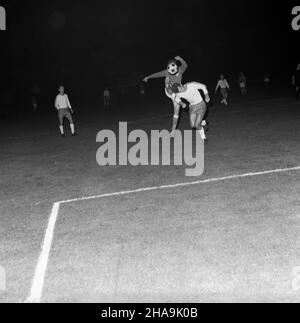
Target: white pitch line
205,181
40,272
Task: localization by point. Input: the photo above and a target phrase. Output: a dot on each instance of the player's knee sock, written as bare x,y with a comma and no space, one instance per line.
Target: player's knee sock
72,128
175,122
202,133
61,128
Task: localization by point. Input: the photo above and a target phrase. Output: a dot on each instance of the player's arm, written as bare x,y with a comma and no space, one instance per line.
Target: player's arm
56,103
184,64
217,87
202,87
227,84
69,104
156,75
293,79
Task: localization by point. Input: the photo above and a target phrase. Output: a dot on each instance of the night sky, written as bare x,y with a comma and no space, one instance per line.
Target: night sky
89,44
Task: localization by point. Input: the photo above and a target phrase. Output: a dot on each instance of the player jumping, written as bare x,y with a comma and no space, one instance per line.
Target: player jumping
173,75
64,108
190,92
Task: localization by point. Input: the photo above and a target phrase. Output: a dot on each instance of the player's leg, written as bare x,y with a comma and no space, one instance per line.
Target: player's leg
61,122
70,119
200,113
193,117
176,116
297,92
226,96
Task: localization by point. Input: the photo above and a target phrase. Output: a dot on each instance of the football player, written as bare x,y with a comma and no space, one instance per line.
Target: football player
106,97
64,108
243,83
173,75
296,81
267,80
190,92
224,88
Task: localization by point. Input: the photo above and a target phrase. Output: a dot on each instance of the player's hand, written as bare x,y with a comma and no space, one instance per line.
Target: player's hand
178,58
145,79
183,105
72,111
207,99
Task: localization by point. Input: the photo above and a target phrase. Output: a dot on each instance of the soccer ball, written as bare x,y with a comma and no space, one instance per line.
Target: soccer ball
172,68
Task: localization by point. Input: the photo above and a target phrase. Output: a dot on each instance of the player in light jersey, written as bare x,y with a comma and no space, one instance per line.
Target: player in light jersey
173,75
64,108
190,92
224,88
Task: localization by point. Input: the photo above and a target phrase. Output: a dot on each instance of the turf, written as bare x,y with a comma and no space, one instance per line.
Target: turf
236,240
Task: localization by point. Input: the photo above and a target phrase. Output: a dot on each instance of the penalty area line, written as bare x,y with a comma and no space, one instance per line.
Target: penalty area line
41,268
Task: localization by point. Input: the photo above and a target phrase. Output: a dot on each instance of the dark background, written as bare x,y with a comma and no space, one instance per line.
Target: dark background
87,45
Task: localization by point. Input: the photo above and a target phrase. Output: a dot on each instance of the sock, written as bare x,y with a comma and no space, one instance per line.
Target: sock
72,128
61,128
202,134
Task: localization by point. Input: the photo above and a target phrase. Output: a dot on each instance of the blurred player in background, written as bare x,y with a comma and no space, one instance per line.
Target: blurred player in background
296,81
173,75
224,88
267,80
64,108
243,83
106,97
190,92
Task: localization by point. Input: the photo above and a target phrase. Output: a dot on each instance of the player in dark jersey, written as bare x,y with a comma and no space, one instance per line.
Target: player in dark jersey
173,75
296,81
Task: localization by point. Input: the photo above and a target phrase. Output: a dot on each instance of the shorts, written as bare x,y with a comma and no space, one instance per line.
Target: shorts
64,113
243,85
169,95
224,91
198,109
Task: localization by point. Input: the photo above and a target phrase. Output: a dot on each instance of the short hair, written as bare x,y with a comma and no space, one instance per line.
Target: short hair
175,87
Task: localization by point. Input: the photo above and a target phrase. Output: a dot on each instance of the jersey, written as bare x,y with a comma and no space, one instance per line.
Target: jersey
223,84
62,102
192,94
173,79
170,80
